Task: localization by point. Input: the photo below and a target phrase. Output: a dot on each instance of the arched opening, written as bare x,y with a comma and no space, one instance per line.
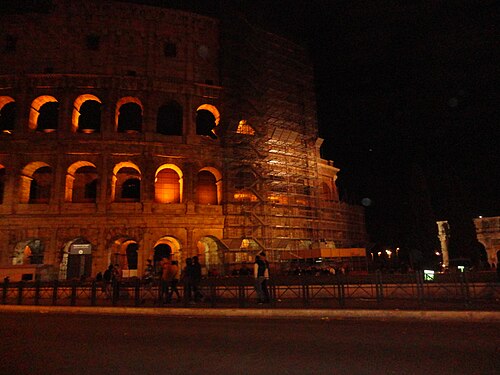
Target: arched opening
161,251
326,193
132,255
207,119
124,254
129,115
44,114
81,183
212,258
126,183
164,247
2,183
87,114
169,119
7,114
76,260
168,184
28,252
41,185
206,189
131,190
48,117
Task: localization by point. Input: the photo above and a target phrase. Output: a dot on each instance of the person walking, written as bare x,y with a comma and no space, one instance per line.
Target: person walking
175,281
168,272
261,276
187,279
198,295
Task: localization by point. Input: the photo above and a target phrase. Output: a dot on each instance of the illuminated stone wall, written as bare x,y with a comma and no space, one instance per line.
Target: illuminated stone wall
488,233
124,185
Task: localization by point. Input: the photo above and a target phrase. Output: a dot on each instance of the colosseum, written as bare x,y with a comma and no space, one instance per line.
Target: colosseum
128,131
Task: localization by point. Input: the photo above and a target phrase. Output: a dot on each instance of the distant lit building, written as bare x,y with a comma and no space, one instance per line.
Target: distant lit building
488,233
128,132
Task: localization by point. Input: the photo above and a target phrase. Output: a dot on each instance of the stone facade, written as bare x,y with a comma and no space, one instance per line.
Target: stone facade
140,130
488,233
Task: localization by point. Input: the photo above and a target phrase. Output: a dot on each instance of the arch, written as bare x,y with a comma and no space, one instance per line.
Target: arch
81,183
212,255
207,119
129,173
44,114
36,183
326,192
7,114
163,246
169,120
218,181
86,117
206,188
168,184
28,252
76,262
128,115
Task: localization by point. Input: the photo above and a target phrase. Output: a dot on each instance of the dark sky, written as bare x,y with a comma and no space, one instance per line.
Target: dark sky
398,82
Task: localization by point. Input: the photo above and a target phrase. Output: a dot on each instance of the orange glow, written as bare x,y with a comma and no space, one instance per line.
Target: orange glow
245,128
76,111
35,108
122,101
210,108
245,197
167,186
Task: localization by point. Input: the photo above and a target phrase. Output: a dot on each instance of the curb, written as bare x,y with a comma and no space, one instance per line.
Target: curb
323,314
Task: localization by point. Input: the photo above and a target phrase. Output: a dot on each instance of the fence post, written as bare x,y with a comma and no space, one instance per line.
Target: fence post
73,293
341,290
464,286
419,277
5,290
213,294
115,293
379,286
241,295
272,293
20,293
93,293
137,292
305,292
37,292
54,292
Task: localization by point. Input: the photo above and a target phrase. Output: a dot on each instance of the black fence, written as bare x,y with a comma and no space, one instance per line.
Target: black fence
412,290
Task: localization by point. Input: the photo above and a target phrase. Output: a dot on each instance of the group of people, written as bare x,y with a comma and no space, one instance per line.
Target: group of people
169,279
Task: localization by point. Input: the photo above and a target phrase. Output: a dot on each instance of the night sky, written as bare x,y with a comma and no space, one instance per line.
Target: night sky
398,82
402,83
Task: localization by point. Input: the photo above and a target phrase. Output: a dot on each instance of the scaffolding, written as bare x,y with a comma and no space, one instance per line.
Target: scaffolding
272,194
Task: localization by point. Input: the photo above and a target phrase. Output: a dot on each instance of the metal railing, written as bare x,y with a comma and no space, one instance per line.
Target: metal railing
410,290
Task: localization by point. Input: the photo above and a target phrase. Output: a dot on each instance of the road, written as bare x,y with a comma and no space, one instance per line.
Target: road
94,344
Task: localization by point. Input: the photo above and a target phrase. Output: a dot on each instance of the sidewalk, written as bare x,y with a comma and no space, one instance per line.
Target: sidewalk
470,316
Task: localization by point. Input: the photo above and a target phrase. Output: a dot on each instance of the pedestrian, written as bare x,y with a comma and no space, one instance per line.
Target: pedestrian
261,276
175,281
198,295
148,279
168,273
187,279
107,280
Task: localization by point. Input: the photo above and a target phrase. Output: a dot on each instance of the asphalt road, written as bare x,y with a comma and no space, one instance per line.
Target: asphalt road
92,344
